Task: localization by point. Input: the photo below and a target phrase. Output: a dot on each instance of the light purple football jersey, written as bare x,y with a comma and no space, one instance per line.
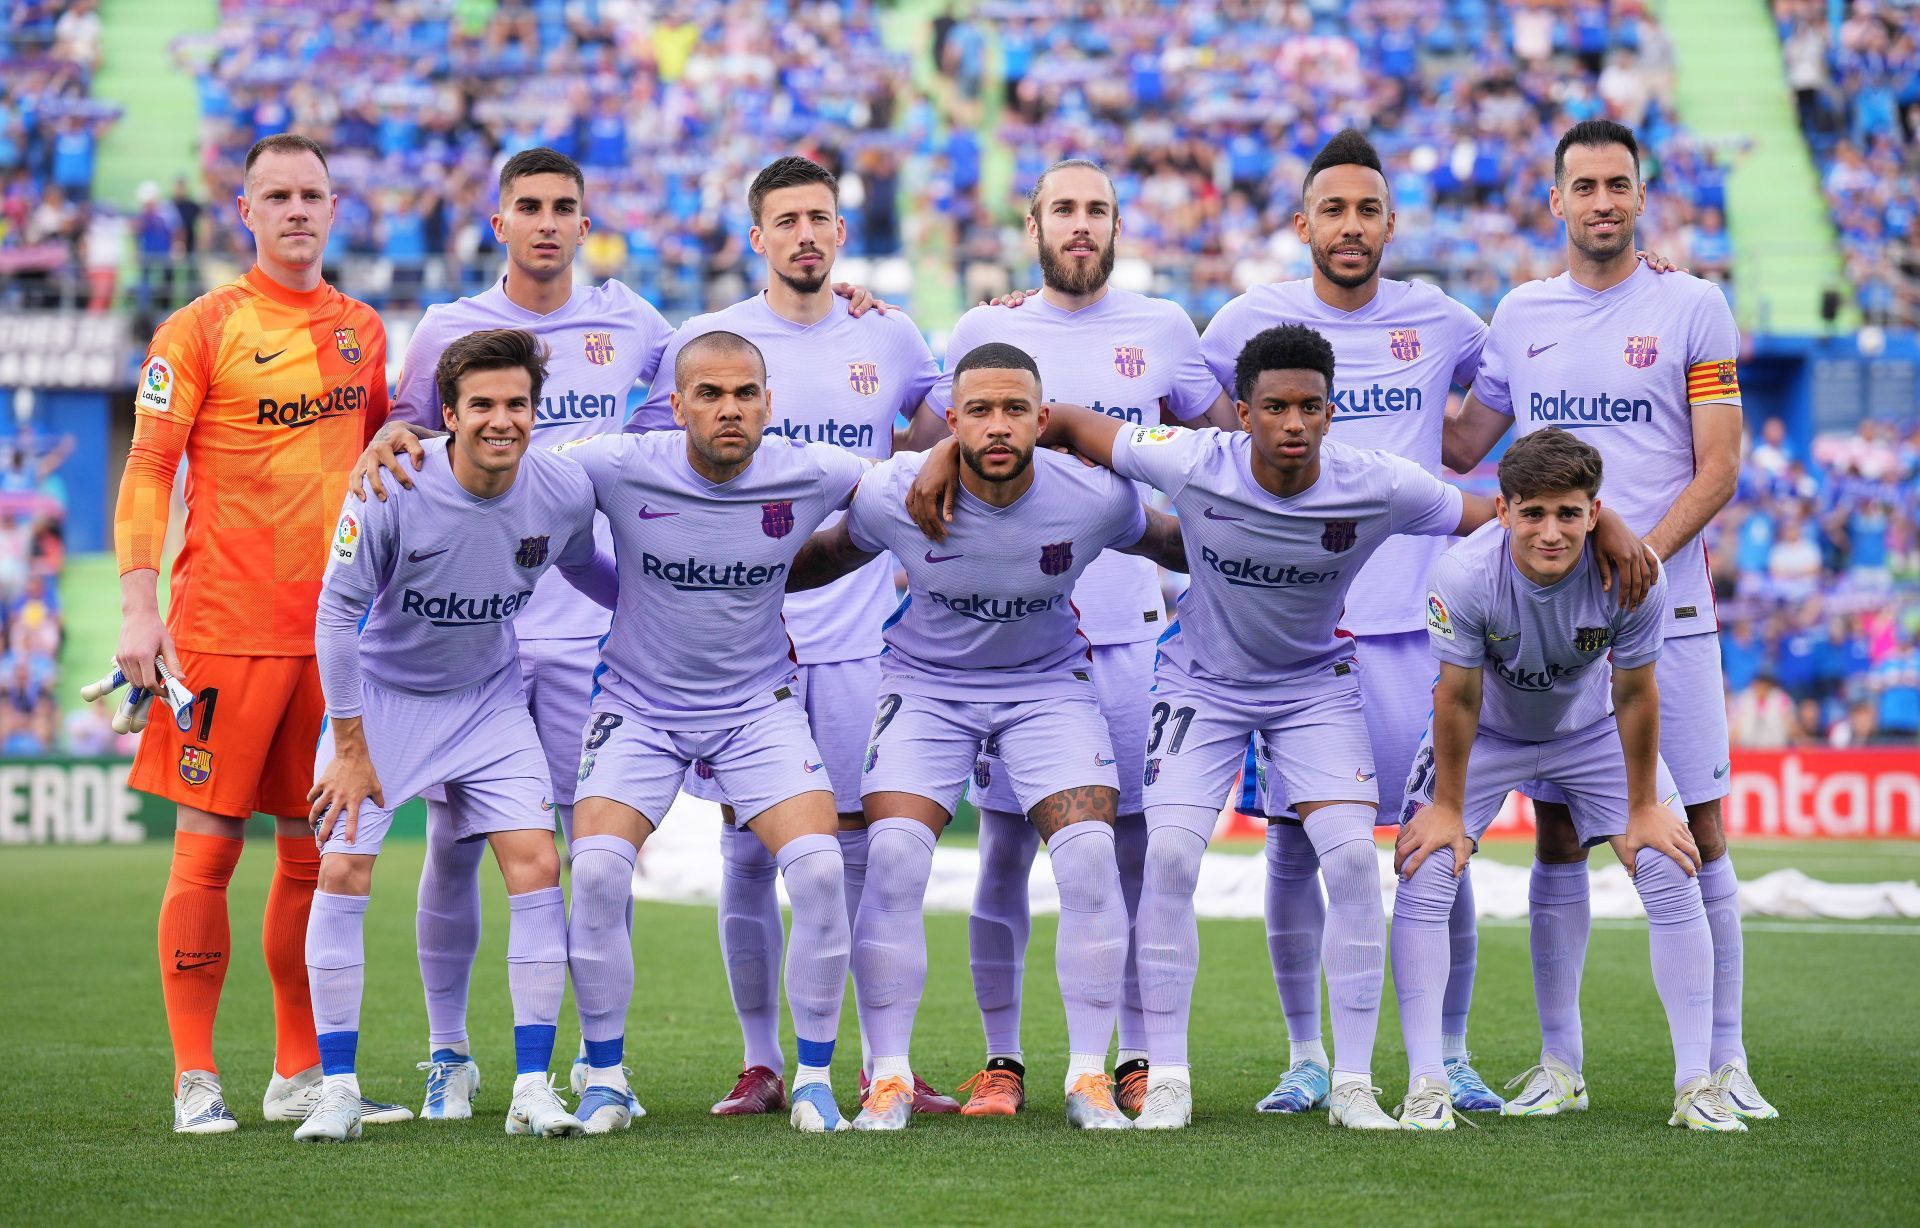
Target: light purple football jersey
1270,575
840,380
697,639
1547,646
604,340
1616,365
448,573
1395,360
989,612
1129,356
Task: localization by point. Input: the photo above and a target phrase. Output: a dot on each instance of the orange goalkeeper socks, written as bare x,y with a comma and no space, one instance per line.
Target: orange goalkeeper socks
283,936
195,943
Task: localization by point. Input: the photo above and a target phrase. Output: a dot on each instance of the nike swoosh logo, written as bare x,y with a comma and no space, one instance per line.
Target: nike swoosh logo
1534,351
1721,770
810,768
262,358
647,515
1099,762
1210,514
417,557
180,967
1364,777
940,558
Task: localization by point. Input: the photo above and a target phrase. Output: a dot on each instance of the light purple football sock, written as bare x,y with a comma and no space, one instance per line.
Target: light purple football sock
750,937
1560,919
1682,947
1354,951
1296,922
1130,852
1463,953
1169,936
446,926
853,868
1420,908
817,956
1720,892
1090,947
537,955
336,968
599,949
890,935
1000,925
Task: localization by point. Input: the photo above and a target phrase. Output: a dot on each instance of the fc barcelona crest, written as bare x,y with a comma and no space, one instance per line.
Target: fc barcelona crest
1130,361
776,519
599,348
532,553
1057,558
1591,639
1642,351
863,378
982,774
1404,343
196,764
1338,535
703,769
347,343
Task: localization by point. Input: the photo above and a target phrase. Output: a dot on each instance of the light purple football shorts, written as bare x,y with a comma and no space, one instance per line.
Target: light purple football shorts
756,766
838,698
1122,674
479,743
930,747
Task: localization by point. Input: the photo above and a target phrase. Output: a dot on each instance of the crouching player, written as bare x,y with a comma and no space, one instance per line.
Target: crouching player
1524,596
445,567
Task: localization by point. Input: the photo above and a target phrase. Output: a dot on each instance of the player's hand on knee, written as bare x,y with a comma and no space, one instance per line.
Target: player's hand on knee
347,781
1432,829
930,498
384,453
1657,828
860,300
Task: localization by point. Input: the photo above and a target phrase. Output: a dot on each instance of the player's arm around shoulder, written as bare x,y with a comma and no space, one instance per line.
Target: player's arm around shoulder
854,540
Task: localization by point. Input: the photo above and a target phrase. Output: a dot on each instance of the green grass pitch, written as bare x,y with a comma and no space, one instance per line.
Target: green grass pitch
84,1113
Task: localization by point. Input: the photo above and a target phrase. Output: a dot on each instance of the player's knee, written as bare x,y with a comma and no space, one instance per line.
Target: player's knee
345,874
1352,871
744,857
1290,855
602,882
1555,841
897,870
1667,892
1173,863
1428,895
1709,831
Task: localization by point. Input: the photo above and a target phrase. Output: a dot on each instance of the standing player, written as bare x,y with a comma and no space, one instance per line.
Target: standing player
437,576
1137,359
1646,366
268,387
601,340
706,524
842,379
1276,526
1525,597
987,648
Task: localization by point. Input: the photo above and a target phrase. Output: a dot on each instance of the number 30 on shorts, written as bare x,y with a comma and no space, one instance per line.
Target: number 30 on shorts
1163,715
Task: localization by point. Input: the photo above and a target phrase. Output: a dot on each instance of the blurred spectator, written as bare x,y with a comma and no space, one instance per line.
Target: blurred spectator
32,507
1761,717
1817,575
1207,116
1854,66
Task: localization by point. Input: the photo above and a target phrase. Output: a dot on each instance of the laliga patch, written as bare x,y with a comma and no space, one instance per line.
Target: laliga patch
1143,435
196,764
156,385
572,443
346,538
1437,620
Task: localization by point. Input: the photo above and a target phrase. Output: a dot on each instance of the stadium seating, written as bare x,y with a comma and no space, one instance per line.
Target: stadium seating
32,509
1857,86
670,118
1817,569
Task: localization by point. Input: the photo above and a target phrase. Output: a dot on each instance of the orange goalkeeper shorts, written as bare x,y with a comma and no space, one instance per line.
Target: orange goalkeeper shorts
250,747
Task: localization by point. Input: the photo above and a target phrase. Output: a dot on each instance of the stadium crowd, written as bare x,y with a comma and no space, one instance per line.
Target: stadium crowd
669,109
1817,570
32,551
1856,84
1209,114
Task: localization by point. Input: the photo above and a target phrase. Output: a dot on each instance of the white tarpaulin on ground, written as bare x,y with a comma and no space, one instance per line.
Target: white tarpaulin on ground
682,863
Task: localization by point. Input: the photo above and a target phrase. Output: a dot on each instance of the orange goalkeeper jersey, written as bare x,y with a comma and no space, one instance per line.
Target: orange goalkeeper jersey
270,394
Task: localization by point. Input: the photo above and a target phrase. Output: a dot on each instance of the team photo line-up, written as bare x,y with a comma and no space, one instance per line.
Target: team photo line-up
365,571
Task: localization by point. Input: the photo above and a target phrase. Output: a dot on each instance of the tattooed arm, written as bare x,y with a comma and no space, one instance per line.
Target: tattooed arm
1161,542
828,555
